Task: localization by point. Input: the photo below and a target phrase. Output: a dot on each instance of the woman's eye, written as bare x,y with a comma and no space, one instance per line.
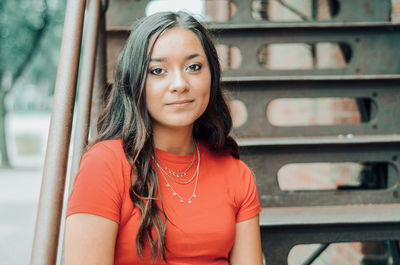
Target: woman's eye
194,67
156,71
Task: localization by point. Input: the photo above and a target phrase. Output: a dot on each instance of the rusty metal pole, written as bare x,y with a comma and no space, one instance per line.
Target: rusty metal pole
100,77
45,243
81,127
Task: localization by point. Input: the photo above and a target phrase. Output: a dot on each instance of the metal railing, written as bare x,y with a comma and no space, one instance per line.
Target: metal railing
47,230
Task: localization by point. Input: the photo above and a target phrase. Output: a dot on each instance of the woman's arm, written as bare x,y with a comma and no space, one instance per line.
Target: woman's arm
89,239
247,246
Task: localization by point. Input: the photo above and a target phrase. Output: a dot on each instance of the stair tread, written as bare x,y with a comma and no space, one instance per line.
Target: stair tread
319,140
310,78
303,25
277,25
330,215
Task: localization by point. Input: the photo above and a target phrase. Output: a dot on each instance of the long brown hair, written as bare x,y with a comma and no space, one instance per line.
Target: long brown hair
126,116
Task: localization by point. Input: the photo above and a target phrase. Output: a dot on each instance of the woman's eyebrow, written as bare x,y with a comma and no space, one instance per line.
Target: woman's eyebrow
163,59
158,59
191,56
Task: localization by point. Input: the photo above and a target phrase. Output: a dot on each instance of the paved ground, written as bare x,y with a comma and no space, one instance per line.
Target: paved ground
19,195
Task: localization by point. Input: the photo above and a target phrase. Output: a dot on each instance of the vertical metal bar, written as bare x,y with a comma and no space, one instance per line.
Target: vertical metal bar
314,9
100,76
44,251
81,127
395,251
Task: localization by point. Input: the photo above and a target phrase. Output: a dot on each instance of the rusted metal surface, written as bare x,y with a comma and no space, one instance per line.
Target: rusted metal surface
378,42
277,241
81,126
257,95
104,6
45,242
366,11
395,250
123,13
100,80
92,83
115,43
288,78
330,215
340,140
266,160
291,226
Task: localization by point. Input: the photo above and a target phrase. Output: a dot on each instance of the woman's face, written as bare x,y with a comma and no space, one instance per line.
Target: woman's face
178,80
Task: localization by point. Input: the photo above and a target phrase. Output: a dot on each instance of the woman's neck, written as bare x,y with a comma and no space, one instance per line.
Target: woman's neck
174,140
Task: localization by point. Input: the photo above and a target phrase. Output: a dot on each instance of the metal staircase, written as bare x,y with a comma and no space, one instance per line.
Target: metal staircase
370,44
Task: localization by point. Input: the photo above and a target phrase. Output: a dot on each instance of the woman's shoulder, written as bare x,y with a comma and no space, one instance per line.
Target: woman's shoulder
113,145
222,158
106,159
107,150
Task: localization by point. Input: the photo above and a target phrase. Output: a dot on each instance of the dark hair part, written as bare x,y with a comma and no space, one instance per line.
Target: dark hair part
126,116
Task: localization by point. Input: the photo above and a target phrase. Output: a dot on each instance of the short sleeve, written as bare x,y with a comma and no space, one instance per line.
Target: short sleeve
98,185
249,204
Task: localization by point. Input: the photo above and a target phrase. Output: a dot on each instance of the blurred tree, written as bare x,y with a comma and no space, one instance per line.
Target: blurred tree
38,79
22,26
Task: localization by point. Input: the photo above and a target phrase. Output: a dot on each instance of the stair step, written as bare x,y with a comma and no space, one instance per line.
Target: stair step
233,80
267,157
122,12
290,78
270,26
330,215
285,227
255,99
302,25
311,142
359,40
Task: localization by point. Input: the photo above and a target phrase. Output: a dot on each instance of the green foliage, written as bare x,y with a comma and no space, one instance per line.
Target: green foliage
20,22
44,65
34,88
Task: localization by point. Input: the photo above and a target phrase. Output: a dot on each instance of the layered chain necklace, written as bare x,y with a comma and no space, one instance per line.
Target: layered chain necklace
167,173
177,174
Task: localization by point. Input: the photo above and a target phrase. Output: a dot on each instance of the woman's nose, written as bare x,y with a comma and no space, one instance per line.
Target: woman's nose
178,82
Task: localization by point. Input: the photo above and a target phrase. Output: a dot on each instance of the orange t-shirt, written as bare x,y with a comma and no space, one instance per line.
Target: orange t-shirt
201,232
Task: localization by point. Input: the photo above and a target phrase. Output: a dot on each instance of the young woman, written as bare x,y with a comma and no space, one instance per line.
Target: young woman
163,183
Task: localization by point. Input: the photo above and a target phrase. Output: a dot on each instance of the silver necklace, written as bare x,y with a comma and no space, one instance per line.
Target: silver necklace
174,179
177,181
182,173
174,193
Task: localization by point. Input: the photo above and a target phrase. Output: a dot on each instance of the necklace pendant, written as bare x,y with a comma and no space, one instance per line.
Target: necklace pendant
175,176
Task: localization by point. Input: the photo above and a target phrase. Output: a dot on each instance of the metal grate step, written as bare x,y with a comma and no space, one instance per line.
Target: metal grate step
123,13
363,44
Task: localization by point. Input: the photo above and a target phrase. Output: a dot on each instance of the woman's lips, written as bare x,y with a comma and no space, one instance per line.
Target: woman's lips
180,103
